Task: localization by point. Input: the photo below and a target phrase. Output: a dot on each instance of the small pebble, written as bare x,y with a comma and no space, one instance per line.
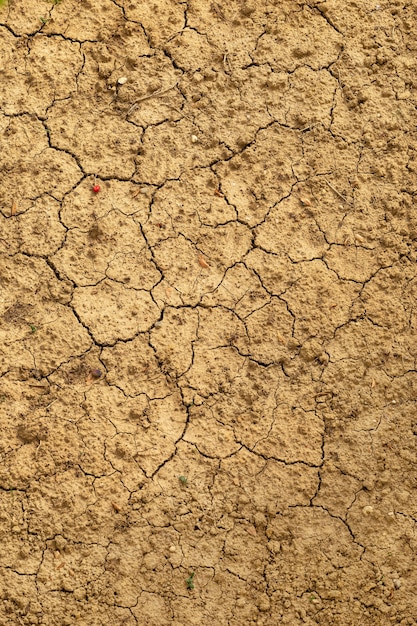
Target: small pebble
96,373
367,510
122,80
158,324
194,138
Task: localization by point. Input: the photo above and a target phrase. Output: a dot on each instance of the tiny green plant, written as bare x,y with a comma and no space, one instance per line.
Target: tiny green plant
183,480
44,20
3,398
190,581
33,328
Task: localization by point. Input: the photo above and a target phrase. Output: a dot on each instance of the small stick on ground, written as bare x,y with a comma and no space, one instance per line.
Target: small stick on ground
154,94
226,64
136,193
335,190
203,262
216,9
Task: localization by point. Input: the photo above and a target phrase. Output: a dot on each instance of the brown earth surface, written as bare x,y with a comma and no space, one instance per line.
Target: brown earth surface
208,367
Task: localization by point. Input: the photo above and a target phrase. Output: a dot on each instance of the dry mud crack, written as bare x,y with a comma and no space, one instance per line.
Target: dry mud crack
208,367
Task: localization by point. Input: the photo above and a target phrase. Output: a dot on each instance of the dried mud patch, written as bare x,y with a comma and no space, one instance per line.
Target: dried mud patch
207,313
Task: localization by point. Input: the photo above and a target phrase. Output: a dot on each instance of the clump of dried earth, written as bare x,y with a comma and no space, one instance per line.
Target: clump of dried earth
208,368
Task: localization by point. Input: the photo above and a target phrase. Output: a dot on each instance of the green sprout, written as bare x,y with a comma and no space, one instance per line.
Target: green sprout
44,20
190,581
33,328
183,480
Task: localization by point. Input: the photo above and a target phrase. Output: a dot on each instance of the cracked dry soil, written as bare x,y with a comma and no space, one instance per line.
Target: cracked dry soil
208,368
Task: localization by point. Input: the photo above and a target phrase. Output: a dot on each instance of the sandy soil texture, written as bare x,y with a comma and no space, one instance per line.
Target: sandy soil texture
208,365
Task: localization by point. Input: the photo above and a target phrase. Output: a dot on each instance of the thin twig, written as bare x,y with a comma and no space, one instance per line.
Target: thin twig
335,190
303,130
215,8
154,94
